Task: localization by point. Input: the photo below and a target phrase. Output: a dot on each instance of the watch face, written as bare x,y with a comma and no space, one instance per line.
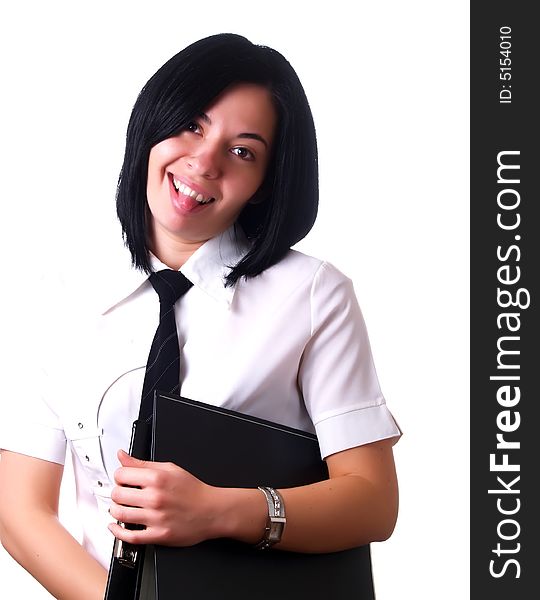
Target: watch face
276,529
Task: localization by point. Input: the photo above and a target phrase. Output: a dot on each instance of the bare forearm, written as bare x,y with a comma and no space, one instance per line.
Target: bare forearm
47,551
357,505
336,514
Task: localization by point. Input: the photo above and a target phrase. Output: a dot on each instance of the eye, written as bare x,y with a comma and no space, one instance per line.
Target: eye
193,126
243,153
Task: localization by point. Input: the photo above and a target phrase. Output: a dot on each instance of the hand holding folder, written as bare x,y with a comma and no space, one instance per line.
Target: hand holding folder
230,449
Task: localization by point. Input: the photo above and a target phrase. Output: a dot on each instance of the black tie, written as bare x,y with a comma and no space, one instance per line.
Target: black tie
163,374
163,366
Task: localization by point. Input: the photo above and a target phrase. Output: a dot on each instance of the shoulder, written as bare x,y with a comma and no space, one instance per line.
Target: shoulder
298,280
322,280
299,267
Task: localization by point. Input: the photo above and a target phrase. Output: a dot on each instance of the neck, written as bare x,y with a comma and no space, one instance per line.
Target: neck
172,251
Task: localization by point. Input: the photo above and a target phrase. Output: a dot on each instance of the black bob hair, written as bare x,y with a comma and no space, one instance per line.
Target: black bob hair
175,95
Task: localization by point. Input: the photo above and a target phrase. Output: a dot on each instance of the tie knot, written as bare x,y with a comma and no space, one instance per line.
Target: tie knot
169,285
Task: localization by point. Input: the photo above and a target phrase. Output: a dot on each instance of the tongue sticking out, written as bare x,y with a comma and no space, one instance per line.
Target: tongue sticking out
187,202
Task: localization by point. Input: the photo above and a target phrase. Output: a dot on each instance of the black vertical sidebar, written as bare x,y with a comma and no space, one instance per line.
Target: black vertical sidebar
505,296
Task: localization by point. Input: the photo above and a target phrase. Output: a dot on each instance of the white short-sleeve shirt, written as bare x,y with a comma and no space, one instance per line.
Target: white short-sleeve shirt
289,345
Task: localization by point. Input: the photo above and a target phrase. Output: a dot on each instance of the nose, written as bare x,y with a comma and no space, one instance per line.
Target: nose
205,162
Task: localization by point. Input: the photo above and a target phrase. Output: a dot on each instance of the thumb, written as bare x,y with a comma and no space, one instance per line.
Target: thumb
126,460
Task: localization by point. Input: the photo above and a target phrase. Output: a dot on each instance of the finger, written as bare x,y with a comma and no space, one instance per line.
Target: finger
126,460
140,477
132,536
128,514
136,536
130,477
128,496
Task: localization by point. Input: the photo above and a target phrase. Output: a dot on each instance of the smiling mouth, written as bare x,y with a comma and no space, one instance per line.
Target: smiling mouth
184,189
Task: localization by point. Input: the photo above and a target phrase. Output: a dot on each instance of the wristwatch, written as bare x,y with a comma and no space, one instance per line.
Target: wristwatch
276,518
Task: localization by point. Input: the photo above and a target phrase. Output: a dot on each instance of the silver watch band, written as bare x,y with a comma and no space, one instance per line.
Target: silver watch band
276,518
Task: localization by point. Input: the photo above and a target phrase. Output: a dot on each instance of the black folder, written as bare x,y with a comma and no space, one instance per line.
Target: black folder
230,449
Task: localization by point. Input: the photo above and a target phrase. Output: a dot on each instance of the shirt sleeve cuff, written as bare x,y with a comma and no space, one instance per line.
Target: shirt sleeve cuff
355,428
36,442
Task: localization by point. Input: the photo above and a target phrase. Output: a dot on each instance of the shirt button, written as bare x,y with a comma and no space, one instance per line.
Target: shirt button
80,425
87,458
99,484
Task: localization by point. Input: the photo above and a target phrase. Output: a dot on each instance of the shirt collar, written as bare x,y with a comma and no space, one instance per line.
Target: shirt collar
206,268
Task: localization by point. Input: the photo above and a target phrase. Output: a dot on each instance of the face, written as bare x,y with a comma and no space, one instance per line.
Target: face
200,180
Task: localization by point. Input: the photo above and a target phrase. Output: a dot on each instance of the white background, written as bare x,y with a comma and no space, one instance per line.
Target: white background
388,86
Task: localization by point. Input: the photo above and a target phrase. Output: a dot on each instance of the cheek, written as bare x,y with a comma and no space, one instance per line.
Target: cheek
161,156
247,183
153,184
166,152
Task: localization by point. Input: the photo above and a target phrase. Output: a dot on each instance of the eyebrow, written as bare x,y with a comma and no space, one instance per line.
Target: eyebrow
245,135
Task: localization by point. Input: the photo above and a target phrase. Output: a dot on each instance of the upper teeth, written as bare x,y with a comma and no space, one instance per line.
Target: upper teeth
187,191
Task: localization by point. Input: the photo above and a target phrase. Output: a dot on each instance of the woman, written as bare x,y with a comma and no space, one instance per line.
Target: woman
219,180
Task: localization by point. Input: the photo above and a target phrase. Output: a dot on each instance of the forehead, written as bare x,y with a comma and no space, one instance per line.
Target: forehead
245,107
